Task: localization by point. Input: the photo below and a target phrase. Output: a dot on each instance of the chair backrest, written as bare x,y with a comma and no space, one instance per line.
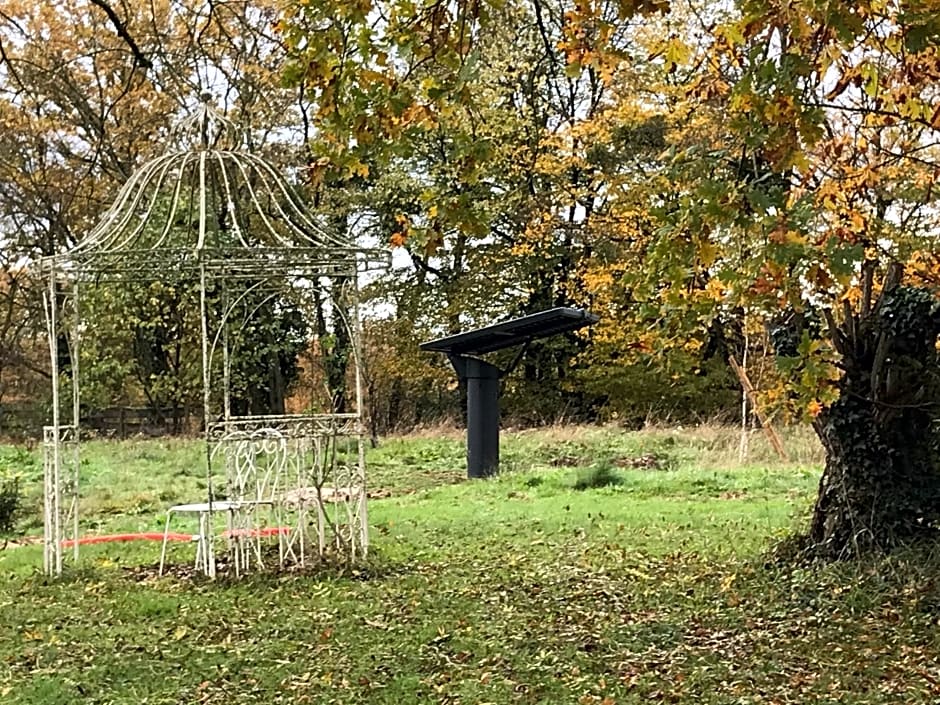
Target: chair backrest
255,463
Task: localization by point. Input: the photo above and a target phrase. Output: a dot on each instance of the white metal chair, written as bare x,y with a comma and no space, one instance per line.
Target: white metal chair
254,464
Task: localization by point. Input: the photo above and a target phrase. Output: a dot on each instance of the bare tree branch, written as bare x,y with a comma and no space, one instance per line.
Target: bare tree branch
122,32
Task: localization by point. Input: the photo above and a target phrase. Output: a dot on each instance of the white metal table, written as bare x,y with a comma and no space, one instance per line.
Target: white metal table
205,556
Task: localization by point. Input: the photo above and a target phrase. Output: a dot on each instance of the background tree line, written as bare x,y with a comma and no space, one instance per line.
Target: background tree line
491,214
707,177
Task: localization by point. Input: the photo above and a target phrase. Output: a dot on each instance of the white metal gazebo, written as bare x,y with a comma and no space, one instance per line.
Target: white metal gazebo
223,219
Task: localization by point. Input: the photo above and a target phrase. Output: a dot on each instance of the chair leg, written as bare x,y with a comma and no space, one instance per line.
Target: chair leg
255,545
200,547
279,523
205,541
234,542
166,533
209,548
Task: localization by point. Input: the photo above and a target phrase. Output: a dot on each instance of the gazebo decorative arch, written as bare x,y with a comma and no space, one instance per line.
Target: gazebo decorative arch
226,222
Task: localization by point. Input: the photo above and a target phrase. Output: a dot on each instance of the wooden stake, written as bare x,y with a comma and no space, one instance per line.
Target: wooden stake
764,421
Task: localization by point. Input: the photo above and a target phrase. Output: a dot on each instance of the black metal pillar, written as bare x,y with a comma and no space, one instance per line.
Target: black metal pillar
482,381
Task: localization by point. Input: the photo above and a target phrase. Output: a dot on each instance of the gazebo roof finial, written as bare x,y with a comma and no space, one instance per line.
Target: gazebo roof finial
207,128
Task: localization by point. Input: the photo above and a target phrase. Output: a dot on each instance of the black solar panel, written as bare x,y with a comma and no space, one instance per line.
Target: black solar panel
512,332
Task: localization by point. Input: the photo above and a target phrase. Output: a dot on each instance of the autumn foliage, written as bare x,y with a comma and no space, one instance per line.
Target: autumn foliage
752,179
689,170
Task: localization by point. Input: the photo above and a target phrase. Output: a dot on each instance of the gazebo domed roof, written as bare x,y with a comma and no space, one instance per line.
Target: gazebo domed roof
209,203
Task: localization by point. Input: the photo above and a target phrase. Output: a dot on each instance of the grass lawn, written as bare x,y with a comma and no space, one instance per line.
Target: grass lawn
520,589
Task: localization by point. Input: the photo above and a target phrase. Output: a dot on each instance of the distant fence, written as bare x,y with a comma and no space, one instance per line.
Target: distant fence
26,420
124,421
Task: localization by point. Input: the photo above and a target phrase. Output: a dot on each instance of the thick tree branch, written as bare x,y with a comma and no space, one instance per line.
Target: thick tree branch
835,333
121,29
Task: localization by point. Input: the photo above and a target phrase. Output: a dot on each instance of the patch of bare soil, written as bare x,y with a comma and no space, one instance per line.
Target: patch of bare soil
329,495
567,461
20,541
648,461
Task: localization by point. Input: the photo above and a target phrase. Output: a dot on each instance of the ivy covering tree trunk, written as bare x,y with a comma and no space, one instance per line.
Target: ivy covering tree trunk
881,484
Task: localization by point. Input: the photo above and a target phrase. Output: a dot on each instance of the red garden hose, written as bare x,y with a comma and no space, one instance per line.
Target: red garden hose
158,536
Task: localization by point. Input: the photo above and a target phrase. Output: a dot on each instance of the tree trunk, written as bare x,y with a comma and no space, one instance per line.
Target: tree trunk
337,362
880,487
277,395
881,484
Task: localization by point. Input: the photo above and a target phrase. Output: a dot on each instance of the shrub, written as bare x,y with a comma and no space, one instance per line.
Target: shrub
10,500
600,474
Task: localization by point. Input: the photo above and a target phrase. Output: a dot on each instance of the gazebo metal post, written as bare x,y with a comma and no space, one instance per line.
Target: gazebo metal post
355,331
206,408
76,414
56,479
226,357
52,553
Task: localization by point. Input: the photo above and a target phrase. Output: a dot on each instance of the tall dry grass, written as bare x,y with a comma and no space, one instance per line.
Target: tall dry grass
707,446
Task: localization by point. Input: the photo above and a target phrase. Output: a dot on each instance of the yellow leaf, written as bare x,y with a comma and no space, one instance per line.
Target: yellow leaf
358,168
677,52
707,253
